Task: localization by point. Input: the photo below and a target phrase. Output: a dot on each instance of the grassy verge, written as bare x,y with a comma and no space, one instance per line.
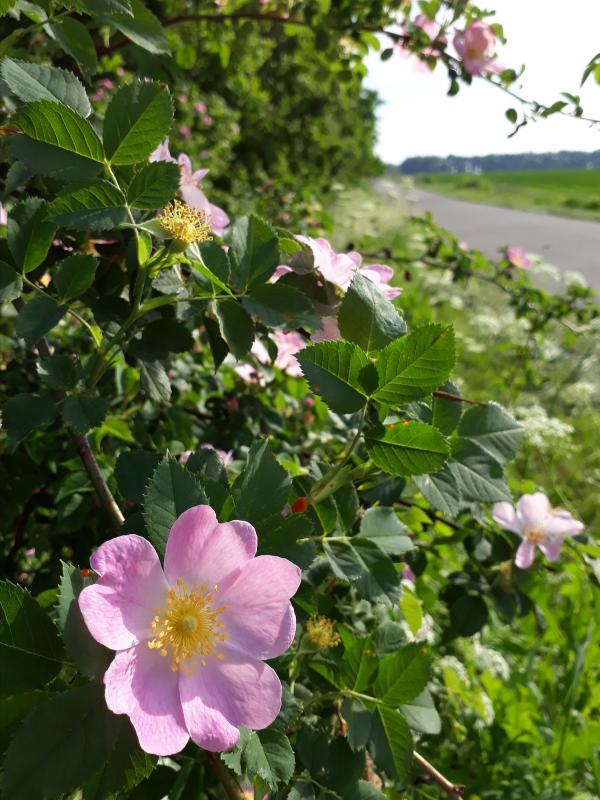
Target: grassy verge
565,192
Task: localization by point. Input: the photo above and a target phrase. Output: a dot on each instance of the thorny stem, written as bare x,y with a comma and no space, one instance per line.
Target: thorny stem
327,479
453,790
226,777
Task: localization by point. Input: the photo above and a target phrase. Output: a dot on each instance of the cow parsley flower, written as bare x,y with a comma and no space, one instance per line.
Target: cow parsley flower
191,639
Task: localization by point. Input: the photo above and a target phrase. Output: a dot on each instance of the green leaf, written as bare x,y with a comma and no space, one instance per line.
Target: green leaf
364,790
411,449
265,753
133,470
441,490
402,675
382,526
83,413
367,317
69,736
95,7
278,536
29,233
254,251
421,714
338,371
90,657
493,430
126,766
263,486
171,491
336,766
446,413
479,477
47,159
137,119
30,649
362,562
76,41
5,6
60,126
391,743
236,326
30,82
38,317
23,413
161,338
414,366
155,381
218,345
97,206
58,372
468,613
13,710
359,662
154,186
280,306
358,720
11,283
74,275
144,29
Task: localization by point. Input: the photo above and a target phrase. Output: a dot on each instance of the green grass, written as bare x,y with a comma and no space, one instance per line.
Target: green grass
564,192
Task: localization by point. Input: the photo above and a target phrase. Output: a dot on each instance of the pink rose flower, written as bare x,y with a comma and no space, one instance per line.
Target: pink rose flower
431,28
226,456
200,107
538,524
3,215
185,131
518,257
106,83
328,332
207,120
191,640
476,46
288,344
183,98
189,187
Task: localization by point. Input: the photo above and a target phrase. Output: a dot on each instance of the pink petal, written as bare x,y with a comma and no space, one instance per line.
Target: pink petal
199,175
118,609
561,523
506,516
200,550
329,331
281,270
233,692
259,618
218,218
194,197
381,273
162,153
185,165
551,550
355,257
532,510
525,554
141,684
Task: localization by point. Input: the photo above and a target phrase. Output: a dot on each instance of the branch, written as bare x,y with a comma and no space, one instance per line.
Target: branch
226,777
453,790
455,398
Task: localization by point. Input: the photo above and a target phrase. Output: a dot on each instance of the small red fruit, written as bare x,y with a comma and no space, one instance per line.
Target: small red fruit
300,505
86,572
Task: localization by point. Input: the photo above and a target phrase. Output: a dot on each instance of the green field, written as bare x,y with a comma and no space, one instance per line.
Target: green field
565,192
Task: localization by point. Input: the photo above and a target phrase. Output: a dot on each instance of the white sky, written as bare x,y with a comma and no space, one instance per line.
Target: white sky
555,41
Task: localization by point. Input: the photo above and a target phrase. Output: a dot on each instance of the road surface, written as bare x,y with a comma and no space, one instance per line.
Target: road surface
569,244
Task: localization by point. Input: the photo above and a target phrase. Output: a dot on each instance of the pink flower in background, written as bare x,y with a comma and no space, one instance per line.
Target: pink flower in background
432,29
183,98
185,131
191,640
538,524
408,574
189,186
288,344
207,120
476,46
379,274
518,257
3,215
106,83
200,107
328,332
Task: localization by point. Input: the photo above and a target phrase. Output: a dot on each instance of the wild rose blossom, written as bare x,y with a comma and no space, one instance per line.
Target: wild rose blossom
476,46
538,524
340,268
288,344
518,257
432,29
191,640
226,456
189,187
328,332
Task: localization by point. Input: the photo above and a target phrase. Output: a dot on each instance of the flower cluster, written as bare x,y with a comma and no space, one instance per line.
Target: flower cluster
476,46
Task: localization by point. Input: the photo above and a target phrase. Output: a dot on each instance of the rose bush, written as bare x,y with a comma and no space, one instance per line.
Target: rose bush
273,417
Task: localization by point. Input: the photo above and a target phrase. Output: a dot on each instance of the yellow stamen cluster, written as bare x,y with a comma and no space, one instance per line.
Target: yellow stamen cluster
319,631
534,535
184,223
189,629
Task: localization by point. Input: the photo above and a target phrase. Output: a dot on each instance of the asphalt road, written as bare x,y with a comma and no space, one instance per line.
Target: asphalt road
568,244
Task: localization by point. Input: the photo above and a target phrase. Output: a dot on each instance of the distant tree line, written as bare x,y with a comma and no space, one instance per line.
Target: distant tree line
565,159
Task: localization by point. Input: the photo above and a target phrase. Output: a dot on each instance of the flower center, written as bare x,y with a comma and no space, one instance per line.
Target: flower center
189,628
184,223
535,535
